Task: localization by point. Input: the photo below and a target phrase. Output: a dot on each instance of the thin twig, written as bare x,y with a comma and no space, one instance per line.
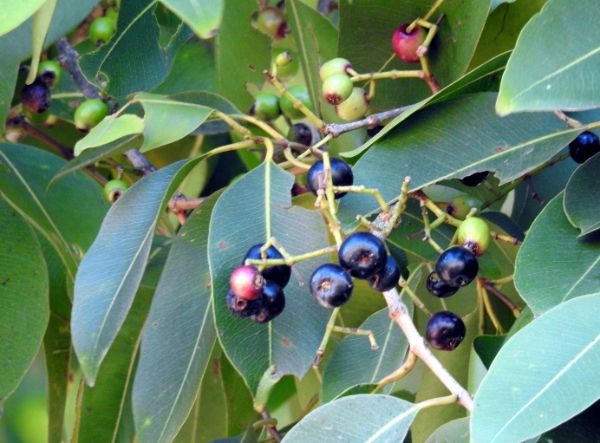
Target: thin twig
20,122
337,129
272,429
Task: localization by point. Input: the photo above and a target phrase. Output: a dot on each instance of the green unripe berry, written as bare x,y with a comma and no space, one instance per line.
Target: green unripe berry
286,65
266,106
113,189
474,234
337,88
271,21
334,66
51,72
89,113
287,107
101,30
461,206
355,107
113,14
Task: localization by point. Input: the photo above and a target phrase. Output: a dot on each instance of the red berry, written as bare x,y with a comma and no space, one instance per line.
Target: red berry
406,44
246,282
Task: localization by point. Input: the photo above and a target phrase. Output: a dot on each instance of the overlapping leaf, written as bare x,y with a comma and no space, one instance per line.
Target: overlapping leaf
203,16
16,13
110,129
582,206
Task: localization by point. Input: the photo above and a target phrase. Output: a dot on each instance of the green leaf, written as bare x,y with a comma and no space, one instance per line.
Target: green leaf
455,431
16,13
316,39
535,81
203,16
582,207
445,143
41,23
23,298
108,130
179,336
520,396
569,267
356,419
8,78
253,209
354,362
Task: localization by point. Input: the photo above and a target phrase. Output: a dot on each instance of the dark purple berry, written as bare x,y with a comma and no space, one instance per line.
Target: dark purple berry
438,288
36,97
445,331
272,303
300,133
586,145
241,307
341,175
457,266
331,285
362,254
388,277
279,274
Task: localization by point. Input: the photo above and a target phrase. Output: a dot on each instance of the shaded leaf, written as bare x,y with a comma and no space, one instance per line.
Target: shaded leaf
110,129
455,431
582,207
41,23
203,16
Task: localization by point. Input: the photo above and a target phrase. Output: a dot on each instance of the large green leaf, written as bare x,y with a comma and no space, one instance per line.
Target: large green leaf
546,73
16,13
203,16
356,419
455,431
445,143
110,129
553,265
257,207
23,298
179,335
535,382
41,24
582,206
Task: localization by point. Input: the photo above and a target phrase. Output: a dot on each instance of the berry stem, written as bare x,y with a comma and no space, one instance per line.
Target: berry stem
316,148
407,366
427,231
490,286
573,123
326,336
435,209
271,427
291,259
359,189
391,75
506,238
415,299
272,132
489,309
357,331
287,152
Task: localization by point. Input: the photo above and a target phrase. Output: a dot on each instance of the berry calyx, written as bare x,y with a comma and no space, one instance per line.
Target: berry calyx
241,307
461,205
287,106
362,254
437,287
474,234
354,107
247,283
89,113
266,106
457,266
337,88
50,72
271,22
586,145
279,274
114,189
474,179
36,97
445,331
334,66
406,44
300,133
388,277
341,175
331,285
101,30
272,303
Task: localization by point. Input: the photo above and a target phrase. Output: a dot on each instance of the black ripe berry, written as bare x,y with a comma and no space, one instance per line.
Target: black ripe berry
341,175
241,307
272,302
438,288
362,254
457,266
278,274
388,277
300,133
445,331
331,285
586,145
36,97
246,282
475,179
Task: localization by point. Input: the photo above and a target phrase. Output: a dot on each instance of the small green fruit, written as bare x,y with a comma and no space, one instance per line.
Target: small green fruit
474,234
271,21
334,66
462,205
266,106
89,113
355,107
51,72
286,65
337,88
113,189
287,107
101,30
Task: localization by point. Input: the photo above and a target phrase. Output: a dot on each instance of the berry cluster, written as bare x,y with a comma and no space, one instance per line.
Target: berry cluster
351,103
268,106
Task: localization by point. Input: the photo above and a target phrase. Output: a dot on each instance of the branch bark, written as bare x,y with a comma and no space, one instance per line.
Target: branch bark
337,129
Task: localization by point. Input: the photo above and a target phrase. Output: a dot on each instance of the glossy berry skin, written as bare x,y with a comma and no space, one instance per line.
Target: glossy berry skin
474,234
586,145
355,107
241,307
114,189
272,303
50,72
287,107
101,30
334,66
36,97
406,44
461,205
475,179
438,288
279,274
89,113
266,106
362,254
300,133
331,285
247,283
457,266
388,277
337,88
341,175
271,22
445,331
